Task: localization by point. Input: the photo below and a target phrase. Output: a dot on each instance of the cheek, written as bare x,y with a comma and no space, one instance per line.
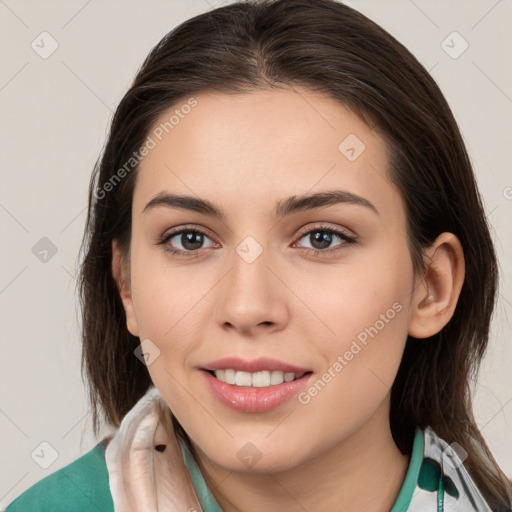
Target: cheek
353,295
168,309
173,306
165,294
367,312
366,300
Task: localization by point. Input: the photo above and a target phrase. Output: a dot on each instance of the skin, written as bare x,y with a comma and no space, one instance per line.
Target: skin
246,152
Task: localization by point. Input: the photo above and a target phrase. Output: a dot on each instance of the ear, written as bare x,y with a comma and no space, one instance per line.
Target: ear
120,273
436,294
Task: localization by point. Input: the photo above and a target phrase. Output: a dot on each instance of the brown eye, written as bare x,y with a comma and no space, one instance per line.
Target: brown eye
322,238
185,241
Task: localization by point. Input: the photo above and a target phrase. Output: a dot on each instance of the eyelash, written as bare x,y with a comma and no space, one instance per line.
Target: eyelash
322,252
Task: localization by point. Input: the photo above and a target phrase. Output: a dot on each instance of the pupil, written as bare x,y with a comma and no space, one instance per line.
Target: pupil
321,237
192,240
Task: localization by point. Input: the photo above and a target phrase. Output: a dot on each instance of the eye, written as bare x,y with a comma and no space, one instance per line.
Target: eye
322,237
184,241
188,241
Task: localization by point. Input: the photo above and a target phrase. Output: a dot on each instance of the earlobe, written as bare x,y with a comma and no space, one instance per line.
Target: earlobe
120,274
436,294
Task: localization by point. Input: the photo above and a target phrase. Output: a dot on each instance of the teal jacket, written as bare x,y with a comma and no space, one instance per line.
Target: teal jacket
436,481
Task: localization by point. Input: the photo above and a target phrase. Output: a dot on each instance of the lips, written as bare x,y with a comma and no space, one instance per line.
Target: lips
254,399
256,365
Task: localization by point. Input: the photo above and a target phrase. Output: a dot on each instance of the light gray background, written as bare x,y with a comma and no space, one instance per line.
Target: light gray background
54,116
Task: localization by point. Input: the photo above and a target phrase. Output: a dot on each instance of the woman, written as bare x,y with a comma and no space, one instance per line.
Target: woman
287,279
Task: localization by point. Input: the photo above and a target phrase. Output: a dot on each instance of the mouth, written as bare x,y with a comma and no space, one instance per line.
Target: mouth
254,392
261,379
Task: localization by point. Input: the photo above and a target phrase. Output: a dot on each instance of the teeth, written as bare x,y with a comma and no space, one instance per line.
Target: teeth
243,379
229,376
257,379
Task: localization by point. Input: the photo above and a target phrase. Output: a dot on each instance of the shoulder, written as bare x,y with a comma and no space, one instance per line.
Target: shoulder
82,485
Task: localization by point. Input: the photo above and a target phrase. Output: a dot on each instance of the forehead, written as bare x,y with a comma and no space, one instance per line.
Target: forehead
229,148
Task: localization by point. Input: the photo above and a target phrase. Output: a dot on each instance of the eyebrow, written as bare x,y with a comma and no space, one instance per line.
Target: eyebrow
283,208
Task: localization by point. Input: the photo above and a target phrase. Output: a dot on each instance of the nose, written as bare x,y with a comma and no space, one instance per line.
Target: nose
251,298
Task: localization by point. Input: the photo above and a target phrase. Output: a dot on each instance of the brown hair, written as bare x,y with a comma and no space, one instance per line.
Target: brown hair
327,47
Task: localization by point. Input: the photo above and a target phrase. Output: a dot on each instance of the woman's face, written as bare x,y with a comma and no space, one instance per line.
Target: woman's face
268,279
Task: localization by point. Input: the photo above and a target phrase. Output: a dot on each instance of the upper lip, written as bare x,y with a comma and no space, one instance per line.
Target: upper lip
256,365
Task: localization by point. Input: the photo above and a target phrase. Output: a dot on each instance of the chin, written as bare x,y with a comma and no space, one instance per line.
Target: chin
254,457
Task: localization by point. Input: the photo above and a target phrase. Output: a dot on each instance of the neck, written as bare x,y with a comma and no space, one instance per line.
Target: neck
363,471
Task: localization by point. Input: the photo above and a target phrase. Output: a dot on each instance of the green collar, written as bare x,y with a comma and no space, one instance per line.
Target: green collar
436,479
411,478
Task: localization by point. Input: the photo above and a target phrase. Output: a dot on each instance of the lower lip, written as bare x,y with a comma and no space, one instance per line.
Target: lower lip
250,399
